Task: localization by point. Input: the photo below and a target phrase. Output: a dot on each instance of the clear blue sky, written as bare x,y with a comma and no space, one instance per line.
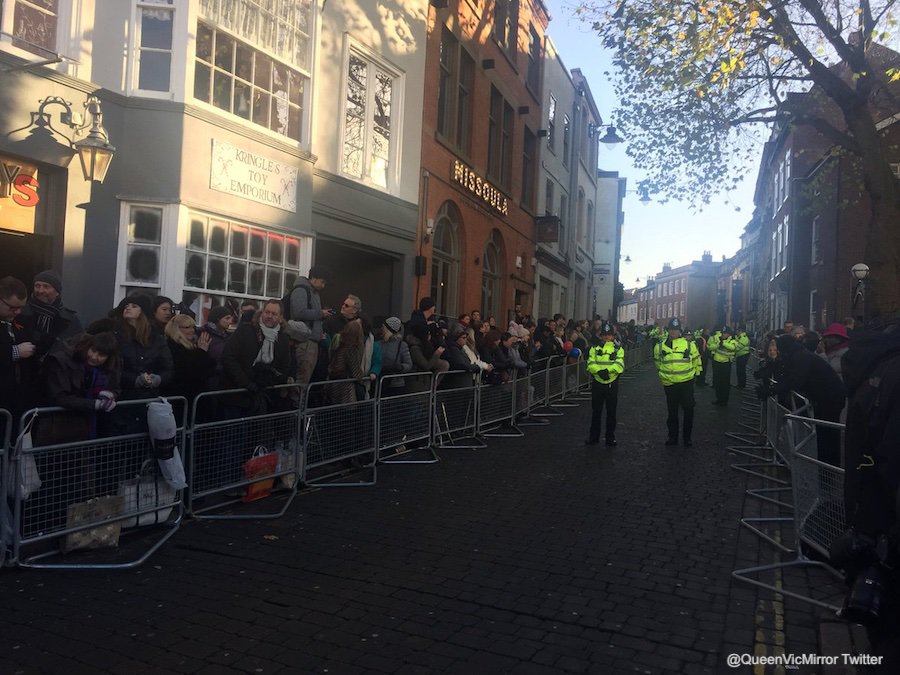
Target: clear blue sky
654,233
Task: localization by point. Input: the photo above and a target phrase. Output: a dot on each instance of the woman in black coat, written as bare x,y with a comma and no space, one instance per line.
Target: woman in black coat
146,359
193,366
82,377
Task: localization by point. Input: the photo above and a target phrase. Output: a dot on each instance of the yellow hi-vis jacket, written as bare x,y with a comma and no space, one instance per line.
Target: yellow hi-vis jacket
722,349
679,362
606,357
743,344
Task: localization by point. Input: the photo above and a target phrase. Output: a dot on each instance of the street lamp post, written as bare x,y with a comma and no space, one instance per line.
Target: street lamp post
860,272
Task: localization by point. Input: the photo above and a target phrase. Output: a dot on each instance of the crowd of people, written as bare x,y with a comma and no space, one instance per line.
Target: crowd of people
148,347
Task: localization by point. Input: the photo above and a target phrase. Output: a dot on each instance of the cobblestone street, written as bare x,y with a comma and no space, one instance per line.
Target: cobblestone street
535,555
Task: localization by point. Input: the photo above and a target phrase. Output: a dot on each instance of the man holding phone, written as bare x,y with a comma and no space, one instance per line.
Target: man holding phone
306,306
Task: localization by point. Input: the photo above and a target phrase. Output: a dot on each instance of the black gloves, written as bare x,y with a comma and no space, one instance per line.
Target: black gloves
603,374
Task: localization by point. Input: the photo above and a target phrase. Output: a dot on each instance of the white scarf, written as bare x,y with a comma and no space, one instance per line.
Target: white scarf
267,350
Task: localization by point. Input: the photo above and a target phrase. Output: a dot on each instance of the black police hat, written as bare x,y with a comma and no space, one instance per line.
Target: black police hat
674,323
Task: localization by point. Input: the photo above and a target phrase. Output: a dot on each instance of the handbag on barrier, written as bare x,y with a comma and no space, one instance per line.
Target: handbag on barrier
287,462
104,535
29,480
145,491
262,463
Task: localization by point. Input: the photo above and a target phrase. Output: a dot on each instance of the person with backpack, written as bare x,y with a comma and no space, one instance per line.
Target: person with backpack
304,303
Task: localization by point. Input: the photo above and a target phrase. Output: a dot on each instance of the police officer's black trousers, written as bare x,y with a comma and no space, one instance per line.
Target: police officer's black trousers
604,394
722,380
740,366
680,395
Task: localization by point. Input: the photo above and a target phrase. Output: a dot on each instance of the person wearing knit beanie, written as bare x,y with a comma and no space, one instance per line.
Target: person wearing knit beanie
49,277
45,319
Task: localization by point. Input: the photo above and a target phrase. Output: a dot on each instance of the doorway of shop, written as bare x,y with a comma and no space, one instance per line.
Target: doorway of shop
368,274
24,255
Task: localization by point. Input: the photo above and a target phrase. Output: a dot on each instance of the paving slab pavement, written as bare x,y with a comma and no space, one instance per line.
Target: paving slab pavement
534,555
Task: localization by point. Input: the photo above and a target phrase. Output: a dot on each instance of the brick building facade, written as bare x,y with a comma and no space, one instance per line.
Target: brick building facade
476,239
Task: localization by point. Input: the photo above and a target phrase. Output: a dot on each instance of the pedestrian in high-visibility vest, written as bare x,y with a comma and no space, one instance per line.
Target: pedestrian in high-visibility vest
741,356
606,361
723,349
677,364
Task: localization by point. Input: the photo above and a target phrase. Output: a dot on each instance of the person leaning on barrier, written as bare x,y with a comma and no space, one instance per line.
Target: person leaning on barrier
82,376
677,362
193,366
458,361
257,356
812,377
513,363
770,371
15,350
606,361
146,359
425,358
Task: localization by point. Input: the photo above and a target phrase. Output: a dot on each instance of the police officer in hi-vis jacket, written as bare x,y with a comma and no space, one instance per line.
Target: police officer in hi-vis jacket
724,349
605,363
677,364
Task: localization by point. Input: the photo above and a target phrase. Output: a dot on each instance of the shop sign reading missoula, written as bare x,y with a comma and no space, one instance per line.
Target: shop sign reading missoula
245,174
479,187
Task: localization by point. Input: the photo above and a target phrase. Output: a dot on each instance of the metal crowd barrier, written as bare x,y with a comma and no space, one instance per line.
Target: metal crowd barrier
818,507
231,427
6,422
556,383
539,386
818,487
456,416
497,409
92,491
582,391
525,399
336,436
404,404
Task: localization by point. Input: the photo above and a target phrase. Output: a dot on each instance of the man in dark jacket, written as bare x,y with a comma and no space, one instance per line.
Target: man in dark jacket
15,351
46,320
812,377
257,356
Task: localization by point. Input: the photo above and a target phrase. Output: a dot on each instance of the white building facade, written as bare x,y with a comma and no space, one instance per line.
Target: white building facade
251,139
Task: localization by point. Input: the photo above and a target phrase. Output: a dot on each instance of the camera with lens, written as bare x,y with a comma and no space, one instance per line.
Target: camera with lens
868,564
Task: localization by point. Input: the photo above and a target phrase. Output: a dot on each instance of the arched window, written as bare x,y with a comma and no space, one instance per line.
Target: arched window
491,276
445,260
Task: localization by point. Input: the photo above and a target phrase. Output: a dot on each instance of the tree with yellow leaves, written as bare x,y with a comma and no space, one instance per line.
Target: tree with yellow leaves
696,82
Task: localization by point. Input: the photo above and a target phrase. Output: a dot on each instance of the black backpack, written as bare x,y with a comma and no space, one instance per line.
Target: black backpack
286,302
